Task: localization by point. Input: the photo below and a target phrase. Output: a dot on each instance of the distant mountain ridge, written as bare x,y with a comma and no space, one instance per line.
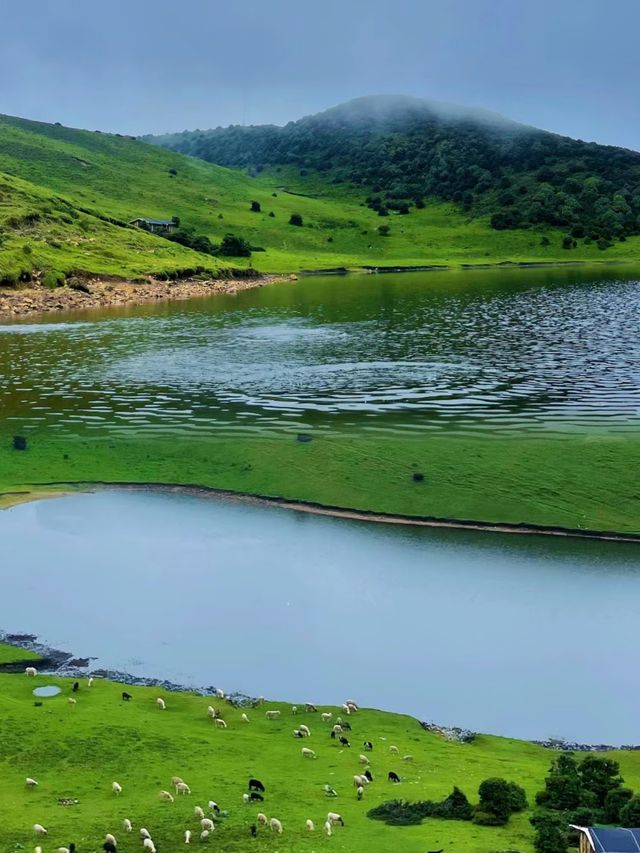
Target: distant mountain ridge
400,151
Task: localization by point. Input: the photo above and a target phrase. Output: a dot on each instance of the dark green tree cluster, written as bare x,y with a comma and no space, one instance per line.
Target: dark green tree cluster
499,799
231,245
519,176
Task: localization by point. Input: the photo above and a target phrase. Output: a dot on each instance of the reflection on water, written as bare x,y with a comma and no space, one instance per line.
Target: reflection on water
523,636
483,351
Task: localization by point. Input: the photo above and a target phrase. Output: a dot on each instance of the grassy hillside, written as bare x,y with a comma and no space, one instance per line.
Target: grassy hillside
77,751
66,196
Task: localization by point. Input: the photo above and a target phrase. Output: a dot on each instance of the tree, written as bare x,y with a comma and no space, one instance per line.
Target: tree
562,786
567,242
176,221
255,207
614,803
384,230
550,835
496,799
295,219
234,247
630,814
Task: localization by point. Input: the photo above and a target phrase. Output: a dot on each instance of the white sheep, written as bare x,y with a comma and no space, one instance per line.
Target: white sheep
244,718
211,712
198,812
116,788
187,836
360,791
326,717
346,709
309,825
220,693
220,723
111,839
206,823
149,845
305,730
308,753
126,825
407,757
182,788
39,829
294,709
262,818
31,671
90,682
337,729
213,806
161,703
327,827
204,835
71,700
354,705
363,759
63,850
335,818
175,780
144,833
357,780
166,796
394,750
276,825
38,850
31,783
272,715
246,799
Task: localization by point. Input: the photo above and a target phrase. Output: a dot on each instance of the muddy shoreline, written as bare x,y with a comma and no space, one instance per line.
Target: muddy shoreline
34,299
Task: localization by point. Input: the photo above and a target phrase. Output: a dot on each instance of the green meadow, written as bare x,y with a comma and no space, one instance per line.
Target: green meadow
76,752
67,195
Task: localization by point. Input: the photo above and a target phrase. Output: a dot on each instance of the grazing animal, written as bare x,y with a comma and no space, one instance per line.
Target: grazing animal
182,788
346,726
126,696
39,829
309,708
175,780
272,715
31,783
276,825
254,796
109,847
31,671
166,796
161,703
297,733
335,818
71,701
351,706
326,717
111,839
407,757
90,682
149,845
220,693
344,741
394,750
253,829
337,729
329,791
305,730
294,709
144,833
368,776
220,723
363,759
357,780
187,836
393,777
211,712
367,745
126,825
214,807
308,753
346,709
262,818
38,850
206,823
309,825
246,798
327,827
116,788
198,812
76,687
204,835
244,718
360,792
256,785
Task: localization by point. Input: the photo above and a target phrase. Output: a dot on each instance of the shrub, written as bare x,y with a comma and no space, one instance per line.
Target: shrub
545,241
27,249
384,230
630,813
382,211
498,799
255,207
295,219
604,244
567,242
52,279
488,818
272,214
173,172
329,239
234,247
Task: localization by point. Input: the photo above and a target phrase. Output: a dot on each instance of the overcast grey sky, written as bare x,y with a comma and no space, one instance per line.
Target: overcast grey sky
144,66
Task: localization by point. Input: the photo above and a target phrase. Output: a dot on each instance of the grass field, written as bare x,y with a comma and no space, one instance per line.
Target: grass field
60,187
78,751
581,481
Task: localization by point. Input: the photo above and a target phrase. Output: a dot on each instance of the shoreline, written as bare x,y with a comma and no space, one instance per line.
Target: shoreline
100,292
56,662
60,489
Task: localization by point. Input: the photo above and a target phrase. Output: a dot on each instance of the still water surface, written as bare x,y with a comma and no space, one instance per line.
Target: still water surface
523,636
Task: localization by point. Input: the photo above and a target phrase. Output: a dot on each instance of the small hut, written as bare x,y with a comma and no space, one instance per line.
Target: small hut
156,226
596,839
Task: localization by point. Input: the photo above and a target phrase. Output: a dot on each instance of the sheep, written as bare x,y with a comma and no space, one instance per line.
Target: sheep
71,701
161,703
407,757
76,687
335,818
308,753
305,730
126,825
31,671
246,798
394,750
357,780
256,785
276,825
111,839
262,818
166,796
393,777
363,759
367,745
38,850
90,682
214,807
126,696
204,835
309,825
211,712
360,792
309,708
326,717
337,729
272,715
344,742
149,845
144,833
329,791
220,693
244,718
294,709
187,836
116,788
39,829
108,847
31,783
255,797
354,705
297,733
220,723
206,823
327,827
198,811
182,788
346,709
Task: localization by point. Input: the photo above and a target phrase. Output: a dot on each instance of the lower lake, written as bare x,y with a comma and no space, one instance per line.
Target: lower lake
517,635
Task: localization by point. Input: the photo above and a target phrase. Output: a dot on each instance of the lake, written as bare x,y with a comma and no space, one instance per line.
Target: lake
517,635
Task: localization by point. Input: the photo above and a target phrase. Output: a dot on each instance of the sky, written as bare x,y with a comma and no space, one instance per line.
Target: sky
149,66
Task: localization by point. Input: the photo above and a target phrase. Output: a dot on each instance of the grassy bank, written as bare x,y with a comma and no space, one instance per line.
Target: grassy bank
77,751
578,481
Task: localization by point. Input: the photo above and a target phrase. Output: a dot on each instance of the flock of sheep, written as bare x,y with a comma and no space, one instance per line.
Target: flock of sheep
256,787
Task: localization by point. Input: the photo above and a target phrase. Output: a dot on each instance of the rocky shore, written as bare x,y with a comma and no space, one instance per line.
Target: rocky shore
81,294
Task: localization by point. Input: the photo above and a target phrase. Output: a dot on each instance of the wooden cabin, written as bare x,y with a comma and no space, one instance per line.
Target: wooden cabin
156,226
596,839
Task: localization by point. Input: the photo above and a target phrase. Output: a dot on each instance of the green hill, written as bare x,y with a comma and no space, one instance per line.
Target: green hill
67,196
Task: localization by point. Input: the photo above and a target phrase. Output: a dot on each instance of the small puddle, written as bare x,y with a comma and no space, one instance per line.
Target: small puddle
47,690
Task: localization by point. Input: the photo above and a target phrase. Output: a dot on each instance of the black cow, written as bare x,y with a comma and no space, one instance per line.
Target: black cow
76,686
254,796
126,696
256,785
344,741
393,777
368,745
367,773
